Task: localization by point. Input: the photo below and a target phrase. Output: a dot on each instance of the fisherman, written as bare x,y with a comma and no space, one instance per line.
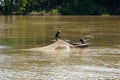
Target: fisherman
82,41
57,35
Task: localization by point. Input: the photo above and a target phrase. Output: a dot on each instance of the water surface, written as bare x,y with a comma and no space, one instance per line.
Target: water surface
99,61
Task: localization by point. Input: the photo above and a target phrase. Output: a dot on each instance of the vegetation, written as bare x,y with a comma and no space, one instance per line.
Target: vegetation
63,7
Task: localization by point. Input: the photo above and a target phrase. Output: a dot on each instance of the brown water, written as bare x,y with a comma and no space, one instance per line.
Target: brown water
100,61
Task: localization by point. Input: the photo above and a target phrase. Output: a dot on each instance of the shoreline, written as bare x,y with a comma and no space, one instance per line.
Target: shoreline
56,15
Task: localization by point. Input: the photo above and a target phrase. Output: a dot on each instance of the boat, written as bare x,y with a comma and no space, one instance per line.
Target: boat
77,45
80,45
59,46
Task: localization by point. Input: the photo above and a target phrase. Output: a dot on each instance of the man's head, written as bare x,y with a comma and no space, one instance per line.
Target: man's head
59,31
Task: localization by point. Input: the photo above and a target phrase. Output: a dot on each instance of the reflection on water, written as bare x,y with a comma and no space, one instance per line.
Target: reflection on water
4,47
99,61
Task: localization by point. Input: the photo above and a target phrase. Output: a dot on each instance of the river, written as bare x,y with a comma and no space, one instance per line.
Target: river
100,61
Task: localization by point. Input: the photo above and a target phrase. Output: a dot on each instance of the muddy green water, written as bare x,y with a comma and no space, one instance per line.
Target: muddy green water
100,61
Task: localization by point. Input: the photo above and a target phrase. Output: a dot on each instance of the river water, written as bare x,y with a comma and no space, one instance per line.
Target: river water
100,61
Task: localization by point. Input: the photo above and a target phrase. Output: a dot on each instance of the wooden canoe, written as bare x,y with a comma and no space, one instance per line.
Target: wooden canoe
80,45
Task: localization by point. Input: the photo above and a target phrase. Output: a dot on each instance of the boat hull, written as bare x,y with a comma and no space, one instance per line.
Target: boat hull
79,45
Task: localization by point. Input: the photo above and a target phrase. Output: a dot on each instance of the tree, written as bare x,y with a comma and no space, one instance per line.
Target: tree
65,7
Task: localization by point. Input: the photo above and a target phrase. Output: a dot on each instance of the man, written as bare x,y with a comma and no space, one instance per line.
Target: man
57,35
82,40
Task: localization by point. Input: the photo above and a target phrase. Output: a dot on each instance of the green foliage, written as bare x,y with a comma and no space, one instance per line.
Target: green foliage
64,7
43,12
53,12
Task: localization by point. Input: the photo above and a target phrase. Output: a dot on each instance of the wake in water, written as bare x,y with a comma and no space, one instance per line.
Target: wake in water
75,72
104,51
